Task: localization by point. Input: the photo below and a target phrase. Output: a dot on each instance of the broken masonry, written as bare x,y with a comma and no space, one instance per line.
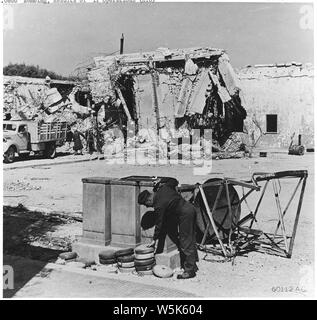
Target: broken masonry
170,92
194,88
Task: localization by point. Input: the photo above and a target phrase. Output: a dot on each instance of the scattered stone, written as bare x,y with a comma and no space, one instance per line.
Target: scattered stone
19,186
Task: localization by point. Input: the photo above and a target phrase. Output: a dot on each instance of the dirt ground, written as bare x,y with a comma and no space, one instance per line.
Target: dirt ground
59,188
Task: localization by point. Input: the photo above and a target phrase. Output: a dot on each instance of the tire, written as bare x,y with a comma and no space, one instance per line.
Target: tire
144,262
125,264
107,261
68,255
144,256
107,254
9,156
50,151
221,214
124,252
125,259
162,271
145,268
143,249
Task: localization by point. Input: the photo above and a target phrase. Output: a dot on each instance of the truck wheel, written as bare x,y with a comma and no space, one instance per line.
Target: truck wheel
9,155
50,151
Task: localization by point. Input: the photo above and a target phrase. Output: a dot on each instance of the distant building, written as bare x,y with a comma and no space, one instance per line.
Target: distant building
279,100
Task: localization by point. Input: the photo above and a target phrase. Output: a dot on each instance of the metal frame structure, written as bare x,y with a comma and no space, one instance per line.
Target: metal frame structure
274,243
243,239
228,249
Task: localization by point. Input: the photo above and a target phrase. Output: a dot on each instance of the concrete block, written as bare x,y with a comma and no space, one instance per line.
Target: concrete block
170,259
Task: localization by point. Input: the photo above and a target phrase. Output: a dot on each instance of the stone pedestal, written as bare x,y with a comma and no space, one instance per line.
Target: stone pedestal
112,218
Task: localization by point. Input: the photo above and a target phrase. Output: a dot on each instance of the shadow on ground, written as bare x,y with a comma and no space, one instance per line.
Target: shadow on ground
26,238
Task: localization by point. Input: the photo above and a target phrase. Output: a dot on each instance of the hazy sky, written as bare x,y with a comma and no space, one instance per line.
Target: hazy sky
60,37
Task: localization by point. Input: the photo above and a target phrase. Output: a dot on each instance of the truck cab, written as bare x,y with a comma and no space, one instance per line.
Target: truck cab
16,139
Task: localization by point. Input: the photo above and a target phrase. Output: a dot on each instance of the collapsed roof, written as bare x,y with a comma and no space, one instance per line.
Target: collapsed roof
180,88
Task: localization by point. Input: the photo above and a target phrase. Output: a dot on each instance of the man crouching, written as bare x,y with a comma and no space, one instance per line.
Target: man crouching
172,213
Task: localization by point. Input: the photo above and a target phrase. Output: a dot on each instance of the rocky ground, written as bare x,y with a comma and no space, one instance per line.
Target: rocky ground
42,216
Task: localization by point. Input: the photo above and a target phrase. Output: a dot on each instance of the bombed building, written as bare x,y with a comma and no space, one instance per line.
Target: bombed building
169,96
194,88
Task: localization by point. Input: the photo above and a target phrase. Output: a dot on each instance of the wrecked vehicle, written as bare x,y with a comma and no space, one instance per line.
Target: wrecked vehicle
32,137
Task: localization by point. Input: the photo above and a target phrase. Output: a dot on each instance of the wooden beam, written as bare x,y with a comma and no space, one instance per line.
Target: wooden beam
125,107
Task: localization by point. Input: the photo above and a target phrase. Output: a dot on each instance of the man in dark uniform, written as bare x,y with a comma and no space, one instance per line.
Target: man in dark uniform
172,212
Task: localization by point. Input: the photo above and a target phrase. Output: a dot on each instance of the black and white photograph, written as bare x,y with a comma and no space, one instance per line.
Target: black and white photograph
158,150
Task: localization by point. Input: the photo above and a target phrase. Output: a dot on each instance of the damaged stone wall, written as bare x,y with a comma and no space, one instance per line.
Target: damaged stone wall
192,88
286,90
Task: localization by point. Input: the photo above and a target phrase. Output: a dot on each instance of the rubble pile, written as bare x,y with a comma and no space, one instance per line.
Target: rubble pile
22,100
148,145
39,99
165,93
177,90
101,81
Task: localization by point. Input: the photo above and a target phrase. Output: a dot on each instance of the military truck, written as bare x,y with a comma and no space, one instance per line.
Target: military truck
26,137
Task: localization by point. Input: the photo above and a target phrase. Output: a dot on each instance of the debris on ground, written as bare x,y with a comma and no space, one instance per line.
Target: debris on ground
19,185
